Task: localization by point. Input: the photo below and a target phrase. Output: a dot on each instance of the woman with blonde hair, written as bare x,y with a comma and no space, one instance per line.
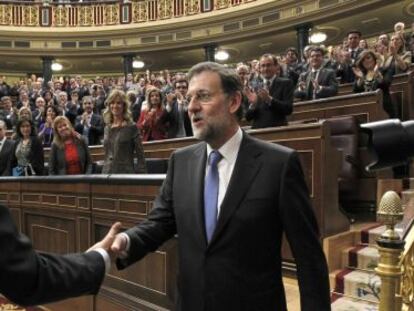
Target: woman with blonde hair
399,59
69,154
24,113
122,139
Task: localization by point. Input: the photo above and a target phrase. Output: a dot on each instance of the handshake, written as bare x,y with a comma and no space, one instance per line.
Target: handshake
114,243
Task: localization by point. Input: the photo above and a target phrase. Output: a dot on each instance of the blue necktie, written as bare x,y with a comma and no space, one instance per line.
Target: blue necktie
211,190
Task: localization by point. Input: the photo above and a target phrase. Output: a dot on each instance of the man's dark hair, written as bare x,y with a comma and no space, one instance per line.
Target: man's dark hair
292,49
230,80
354,31
180,81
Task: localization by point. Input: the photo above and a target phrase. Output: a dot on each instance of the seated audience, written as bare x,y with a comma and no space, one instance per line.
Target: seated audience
122,139
371,77
46,128
152,121
271,99
27,154
6,149
318,82
90,125
69,154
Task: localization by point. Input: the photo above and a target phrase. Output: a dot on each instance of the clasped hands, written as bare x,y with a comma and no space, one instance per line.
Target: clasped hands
113,243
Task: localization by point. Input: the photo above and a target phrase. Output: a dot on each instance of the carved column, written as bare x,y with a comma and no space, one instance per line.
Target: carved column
209,52
47,69
302,34
128,59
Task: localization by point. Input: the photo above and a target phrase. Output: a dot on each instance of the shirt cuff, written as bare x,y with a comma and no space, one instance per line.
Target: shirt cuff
105,257
128,245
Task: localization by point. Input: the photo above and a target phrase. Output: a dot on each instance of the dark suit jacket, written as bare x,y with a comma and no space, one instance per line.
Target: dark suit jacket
275,112
36,158
95,131
5,158
30,278
326,80
240,269
57,161
172,118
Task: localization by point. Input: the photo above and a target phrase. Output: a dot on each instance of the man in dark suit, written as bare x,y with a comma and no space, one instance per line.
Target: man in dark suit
6,148
318,82
90,125
345,69
271,99
179,124
29,278
230,213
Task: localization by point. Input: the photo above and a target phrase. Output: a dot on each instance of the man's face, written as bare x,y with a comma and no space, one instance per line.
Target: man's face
182,87
75,97
353,40
23,96
63,98
316,59
291,57
7,104
88,106
129,77
383,39
58,86
2,130
243,73
267,67
40,102
210,109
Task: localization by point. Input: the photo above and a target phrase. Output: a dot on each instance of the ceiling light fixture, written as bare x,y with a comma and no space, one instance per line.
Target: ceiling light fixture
57,67
222,55
318,37
138,64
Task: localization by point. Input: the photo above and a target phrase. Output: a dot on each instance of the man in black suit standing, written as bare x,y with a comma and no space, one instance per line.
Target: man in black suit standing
271,99
6,148
31,278
345,69
90,125
318,82
230,198
179,124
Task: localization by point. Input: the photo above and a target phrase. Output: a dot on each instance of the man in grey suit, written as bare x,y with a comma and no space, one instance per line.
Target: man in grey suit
317,82
231,210
6,148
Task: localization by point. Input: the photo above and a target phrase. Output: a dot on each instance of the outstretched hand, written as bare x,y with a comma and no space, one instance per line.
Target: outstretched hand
109,238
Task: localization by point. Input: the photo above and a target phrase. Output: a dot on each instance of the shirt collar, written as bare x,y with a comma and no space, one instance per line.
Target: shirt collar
231,148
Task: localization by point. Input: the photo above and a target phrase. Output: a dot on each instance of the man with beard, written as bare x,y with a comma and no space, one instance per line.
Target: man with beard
230,198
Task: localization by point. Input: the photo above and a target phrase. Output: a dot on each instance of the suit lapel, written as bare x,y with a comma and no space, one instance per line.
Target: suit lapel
196,177
244,171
